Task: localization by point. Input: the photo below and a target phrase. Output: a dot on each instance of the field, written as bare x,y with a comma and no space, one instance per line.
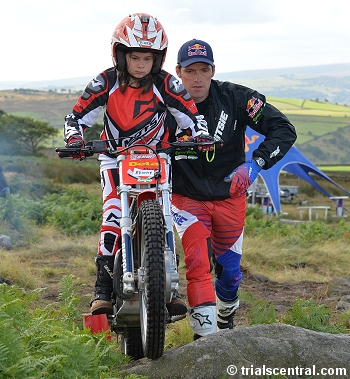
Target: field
53,218
313,119
25,177
335,168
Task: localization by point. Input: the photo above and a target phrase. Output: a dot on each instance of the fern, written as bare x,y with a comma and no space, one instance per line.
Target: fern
49,343
260,311
14,362
70,303
309,315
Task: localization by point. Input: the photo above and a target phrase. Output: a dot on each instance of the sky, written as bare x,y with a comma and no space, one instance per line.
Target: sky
60,39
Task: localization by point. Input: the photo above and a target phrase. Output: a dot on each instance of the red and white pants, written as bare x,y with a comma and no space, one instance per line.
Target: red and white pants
205,225
110,227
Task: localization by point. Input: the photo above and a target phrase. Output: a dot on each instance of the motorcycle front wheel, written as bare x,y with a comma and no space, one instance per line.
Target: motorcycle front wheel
150,238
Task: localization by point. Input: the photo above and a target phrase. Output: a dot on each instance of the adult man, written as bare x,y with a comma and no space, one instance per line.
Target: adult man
209,193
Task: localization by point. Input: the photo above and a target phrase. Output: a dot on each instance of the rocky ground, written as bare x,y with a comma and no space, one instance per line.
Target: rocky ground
282,295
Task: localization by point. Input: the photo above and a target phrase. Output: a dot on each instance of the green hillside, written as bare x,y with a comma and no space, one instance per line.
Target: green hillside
46,106
331,82
323,128
49,106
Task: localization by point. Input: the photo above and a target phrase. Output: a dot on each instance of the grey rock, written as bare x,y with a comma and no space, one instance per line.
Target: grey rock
261,278
298,265
339,286
344,302
255,348
5,241
6,281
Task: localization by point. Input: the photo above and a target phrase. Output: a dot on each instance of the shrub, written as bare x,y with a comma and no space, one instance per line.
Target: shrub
72,210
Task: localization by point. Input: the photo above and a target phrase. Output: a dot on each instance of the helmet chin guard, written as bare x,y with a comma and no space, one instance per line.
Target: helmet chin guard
139,32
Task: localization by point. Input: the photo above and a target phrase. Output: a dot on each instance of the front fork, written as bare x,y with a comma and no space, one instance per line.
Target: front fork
172,276
126,237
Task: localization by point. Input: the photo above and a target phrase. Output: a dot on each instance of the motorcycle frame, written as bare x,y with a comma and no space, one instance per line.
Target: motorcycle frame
131,196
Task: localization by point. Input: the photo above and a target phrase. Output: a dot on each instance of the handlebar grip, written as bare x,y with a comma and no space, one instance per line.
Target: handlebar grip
67,152
62,154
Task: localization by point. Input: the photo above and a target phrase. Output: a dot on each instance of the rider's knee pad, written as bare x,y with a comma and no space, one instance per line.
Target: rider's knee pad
228,275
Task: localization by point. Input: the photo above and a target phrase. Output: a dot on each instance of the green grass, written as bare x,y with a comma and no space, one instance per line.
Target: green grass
284,103
310,107
313,119
335,168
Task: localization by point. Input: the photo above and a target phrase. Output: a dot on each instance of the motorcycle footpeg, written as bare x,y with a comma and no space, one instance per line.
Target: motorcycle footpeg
174,318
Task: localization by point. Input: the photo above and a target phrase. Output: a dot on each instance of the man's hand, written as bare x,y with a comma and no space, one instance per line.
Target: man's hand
242,177
76,141
205,138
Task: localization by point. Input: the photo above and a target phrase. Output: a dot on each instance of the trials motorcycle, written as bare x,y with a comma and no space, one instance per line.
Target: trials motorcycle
145,276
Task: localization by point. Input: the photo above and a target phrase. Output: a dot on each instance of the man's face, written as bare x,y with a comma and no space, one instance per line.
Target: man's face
196,79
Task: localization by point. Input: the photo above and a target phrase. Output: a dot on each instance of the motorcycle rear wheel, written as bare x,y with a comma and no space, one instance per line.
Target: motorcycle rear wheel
131,343
150,238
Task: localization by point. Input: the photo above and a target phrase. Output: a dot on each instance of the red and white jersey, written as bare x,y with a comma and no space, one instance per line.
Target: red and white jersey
133,116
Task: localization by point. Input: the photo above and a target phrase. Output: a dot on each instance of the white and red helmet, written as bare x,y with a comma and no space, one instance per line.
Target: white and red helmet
139,32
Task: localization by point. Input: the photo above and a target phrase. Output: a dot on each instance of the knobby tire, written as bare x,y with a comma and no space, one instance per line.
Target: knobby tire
150,236
132,343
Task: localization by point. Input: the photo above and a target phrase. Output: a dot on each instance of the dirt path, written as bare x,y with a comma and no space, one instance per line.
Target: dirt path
282,295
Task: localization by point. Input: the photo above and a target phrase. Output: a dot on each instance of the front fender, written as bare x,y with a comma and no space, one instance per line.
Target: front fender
145,195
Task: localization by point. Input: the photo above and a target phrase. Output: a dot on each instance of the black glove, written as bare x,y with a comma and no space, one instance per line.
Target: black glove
205,138
76,141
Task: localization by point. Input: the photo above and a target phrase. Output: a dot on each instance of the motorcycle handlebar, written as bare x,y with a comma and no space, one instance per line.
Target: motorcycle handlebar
98,147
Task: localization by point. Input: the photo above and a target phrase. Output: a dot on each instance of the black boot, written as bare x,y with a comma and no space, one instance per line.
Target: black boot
102,302
177,309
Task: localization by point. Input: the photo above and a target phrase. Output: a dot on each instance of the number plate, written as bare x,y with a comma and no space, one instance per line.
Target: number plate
141,168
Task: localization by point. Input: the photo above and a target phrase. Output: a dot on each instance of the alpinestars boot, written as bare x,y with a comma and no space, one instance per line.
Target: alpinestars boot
102,302
203,320
226,313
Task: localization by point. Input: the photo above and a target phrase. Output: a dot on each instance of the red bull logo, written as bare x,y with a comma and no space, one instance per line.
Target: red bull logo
249,141
251,103
197,49
254,108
